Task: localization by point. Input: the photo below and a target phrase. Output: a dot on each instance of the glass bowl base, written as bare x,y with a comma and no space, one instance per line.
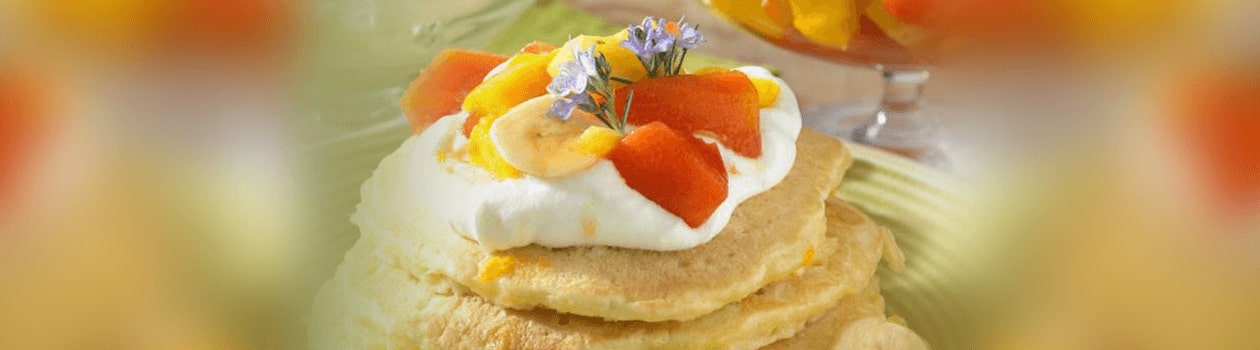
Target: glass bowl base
916,137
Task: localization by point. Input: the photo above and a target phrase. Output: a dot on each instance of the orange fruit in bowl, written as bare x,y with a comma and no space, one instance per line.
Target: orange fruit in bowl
677,171
905,32
751,15
915,12
779,11
441,88
827,22
724,105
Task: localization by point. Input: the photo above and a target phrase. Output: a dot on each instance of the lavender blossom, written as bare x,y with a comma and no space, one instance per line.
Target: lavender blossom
660,49
563,106
648,39
572,80
586,60
689,36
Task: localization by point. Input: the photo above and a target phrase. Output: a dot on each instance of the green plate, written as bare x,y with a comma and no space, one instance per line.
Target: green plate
914,201
918,204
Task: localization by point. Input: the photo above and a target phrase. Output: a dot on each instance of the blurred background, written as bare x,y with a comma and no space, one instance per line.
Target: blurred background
177,174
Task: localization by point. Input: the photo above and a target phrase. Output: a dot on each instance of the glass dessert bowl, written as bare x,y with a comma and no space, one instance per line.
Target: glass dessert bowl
901,39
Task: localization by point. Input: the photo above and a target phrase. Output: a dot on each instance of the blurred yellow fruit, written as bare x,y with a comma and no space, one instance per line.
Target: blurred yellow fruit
1119,21
779,11
482,153
623,62
108,23
828,22
598,140
767,91
904,33
751,14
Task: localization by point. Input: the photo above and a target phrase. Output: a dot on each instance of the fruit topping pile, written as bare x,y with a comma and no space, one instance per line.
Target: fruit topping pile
554,112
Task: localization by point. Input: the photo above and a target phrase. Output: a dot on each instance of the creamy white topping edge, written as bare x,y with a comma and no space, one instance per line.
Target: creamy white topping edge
594,207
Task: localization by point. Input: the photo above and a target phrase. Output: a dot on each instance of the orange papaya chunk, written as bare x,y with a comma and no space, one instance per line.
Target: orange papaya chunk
724,105
679,172
440,89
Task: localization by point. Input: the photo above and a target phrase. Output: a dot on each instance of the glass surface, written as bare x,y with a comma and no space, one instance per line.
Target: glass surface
364,52
869,36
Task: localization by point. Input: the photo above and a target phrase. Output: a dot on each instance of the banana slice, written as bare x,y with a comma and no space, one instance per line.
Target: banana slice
876,333
544,146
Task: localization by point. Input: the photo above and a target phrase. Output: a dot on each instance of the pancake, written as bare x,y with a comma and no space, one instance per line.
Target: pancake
381,305
767,239
858,322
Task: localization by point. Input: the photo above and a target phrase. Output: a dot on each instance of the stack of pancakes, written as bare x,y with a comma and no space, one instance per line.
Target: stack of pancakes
794,269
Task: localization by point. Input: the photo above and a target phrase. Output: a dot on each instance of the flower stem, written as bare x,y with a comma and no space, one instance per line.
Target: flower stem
681,57
625,113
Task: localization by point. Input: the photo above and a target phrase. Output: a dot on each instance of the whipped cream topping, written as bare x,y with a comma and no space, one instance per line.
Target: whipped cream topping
593,207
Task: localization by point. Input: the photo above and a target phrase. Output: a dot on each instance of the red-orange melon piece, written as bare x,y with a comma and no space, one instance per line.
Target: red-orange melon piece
440,89
724,105
679,172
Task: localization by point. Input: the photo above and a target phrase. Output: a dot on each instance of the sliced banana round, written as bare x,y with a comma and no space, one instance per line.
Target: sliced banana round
540,145
877,333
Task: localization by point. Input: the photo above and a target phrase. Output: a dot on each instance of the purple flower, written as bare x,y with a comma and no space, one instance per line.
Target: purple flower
649,38
571,80
637,45
688,36
563,106
570,85
586,60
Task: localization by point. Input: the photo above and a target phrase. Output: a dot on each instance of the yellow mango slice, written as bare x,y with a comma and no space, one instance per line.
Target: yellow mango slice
751,15
904,33
767,91
827,22
623,62
598,140
521,58
482,153
523,80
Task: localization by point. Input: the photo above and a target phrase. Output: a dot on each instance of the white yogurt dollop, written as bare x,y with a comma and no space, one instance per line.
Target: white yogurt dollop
594,207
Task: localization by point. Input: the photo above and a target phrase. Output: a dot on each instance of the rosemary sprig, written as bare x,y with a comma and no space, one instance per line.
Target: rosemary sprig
586,83
662,46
